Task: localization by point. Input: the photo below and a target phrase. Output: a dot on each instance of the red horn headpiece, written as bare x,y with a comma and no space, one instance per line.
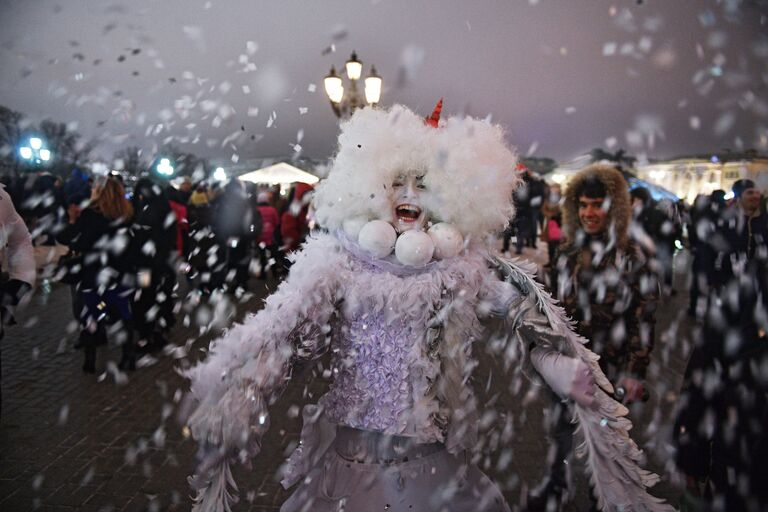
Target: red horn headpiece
433,119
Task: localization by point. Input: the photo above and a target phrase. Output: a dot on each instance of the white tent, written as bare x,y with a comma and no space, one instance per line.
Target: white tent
279,174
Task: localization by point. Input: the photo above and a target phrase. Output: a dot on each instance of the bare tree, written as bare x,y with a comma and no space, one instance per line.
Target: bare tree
133,161
67,145
10,136
540,165
185,163
620,157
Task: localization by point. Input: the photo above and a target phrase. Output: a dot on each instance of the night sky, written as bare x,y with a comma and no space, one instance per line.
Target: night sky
245,78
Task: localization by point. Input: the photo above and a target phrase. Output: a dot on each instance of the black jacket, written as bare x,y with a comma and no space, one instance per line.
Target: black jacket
725,380
107,251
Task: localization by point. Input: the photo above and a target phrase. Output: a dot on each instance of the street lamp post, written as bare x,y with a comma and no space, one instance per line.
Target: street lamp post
344,103
35,151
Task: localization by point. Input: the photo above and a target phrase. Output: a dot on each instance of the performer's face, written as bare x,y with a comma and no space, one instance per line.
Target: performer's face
408,208
593,215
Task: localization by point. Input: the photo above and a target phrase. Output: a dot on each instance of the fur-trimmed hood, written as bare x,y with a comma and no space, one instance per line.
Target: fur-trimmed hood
619,213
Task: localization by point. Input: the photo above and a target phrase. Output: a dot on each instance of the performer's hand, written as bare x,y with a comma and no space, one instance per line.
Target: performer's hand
567,376
634,390
583,385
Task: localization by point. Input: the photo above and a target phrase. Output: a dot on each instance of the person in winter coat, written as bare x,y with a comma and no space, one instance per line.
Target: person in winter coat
293,222
235,225
552,231
721,425
606,287
616,315
77,189
294,226
16,242
201,240
155,227
178,199
105,269
270,224
705,217
658,230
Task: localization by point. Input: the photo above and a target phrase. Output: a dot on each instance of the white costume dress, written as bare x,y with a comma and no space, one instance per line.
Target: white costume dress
398,426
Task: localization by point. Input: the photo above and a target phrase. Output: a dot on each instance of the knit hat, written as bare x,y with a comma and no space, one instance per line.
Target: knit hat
741,185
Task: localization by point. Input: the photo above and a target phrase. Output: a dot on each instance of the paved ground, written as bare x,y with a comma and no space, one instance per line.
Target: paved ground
110,442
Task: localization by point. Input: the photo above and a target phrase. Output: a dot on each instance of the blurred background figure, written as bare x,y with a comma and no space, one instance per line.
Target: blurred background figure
77,189
201,255
703,222
552,232
528,199
103,269
656,227
155,226
178,199
270,226
235,224
294,227
722,446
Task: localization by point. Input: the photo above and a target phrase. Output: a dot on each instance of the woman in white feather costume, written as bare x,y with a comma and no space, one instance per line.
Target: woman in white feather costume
395,290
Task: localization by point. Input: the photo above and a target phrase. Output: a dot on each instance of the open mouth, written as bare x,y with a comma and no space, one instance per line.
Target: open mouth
407,213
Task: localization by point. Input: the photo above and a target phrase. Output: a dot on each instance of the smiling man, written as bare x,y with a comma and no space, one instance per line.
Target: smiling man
604,282
604,285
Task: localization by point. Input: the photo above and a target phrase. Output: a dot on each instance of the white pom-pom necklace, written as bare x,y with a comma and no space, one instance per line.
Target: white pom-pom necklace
353,226
447,239
413,248
377,237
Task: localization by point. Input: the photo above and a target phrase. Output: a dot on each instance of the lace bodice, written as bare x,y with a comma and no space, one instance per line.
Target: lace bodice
375,386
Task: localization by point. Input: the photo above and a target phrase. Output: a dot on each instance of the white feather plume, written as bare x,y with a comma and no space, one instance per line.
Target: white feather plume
619,483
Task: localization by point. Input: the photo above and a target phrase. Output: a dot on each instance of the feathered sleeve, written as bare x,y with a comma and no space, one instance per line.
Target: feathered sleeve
613,457
247,368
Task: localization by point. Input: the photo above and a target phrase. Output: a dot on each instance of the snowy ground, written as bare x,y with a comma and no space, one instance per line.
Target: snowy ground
71,441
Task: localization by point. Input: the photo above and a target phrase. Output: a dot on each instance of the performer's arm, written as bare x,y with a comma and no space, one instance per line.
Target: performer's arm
247,367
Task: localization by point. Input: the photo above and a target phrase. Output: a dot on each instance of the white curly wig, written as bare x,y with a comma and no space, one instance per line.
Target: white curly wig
466,165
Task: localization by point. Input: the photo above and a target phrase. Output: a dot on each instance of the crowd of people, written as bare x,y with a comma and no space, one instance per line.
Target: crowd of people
611,253
128,244
610,271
